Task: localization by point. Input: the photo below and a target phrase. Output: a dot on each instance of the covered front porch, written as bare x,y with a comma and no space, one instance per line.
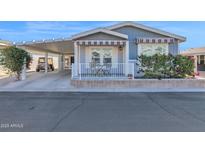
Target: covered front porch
101,59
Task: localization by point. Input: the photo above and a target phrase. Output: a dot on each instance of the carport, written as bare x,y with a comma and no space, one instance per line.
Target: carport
60,49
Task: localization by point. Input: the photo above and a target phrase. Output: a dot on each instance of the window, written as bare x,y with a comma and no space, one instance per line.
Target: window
95,57
41,60
151,49
107,56
202,59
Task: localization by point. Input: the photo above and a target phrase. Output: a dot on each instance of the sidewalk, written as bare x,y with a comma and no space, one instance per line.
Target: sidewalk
60,82
104,90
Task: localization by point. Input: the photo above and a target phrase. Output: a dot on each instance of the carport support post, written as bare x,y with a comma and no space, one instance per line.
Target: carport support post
63,61
46,62
59,62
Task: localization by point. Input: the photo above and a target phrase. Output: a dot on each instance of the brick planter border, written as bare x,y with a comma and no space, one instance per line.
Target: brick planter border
140,83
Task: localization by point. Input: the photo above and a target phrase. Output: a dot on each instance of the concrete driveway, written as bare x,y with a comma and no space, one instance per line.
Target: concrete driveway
38,81
44,111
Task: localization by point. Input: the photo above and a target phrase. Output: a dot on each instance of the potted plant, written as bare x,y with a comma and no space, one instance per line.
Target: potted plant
130,76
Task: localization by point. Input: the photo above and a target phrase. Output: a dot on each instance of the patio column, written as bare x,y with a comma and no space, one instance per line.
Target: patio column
46,62
75,59
127,58
127,52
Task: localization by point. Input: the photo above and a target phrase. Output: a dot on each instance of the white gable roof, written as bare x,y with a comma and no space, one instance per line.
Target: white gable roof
133,24
98,30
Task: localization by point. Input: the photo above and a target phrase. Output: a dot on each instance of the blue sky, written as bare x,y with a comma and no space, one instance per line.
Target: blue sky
33,30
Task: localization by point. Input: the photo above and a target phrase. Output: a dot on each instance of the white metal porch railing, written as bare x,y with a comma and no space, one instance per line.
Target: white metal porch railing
108,70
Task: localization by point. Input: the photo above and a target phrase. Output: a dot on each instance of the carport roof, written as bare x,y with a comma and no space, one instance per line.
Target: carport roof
63,45
53,45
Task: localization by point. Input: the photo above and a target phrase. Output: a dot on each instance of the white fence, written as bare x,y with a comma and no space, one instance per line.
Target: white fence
108,70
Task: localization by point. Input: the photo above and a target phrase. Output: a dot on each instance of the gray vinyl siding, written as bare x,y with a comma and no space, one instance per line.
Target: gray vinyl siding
134,33
174,48
100,36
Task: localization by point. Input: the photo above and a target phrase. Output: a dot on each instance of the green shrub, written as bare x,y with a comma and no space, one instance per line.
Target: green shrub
183,66
13,59
165,66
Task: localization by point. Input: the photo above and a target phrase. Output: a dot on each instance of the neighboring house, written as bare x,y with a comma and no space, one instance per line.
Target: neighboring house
4,44
198,54
108,52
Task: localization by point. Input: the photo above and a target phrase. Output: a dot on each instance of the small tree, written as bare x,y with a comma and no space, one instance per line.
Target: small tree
13,59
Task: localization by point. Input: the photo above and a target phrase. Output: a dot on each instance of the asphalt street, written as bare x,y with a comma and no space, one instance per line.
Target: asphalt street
101,112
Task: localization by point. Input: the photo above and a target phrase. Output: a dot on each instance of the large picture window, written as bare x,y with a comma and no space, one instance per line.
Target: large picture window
151,49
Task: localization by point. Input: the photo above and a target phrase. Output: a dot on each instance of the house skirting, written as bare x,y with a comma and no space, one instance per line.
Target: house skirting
139,83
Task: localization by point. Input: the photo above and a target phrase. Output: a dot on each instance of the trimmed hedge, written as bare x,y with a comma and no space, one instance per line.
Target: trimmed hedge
165,66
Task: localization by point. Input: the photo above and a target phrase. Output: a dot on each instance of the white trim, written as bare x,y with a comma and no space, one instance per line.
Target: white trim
132,60
42,41
74,37
123,24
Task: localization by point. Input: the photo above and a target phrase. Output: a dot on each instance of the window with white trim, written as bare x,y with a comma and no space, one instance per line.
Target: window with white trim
107,56
95,57
101,55
151,49
201,59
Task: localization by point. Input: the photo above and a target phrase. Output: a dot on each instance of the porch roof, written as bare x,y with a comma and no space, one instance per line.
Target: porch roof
99,30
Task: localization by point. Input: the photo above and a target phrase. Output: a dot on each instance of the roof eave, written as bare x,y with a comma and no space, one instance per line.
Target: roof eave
180,38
